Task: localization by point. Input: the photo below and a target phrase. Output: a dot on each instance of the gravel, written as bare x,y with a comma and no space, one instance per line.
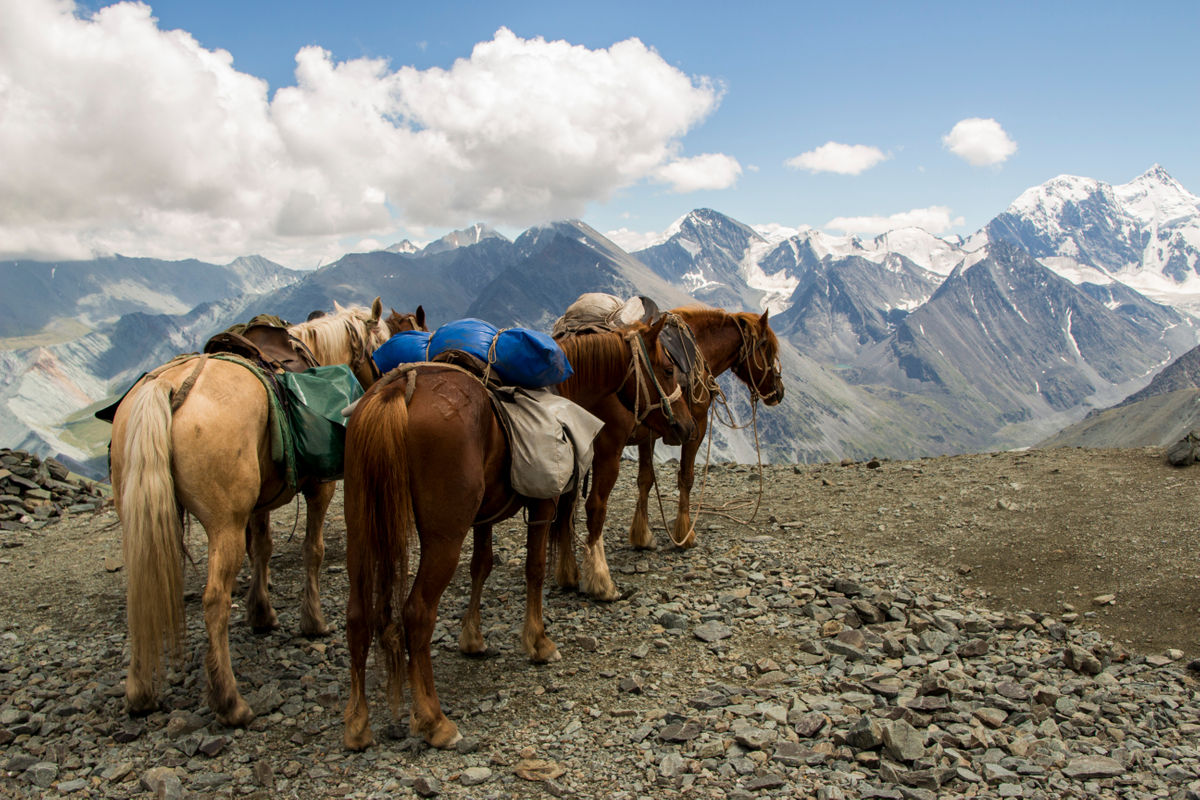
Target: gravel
866,636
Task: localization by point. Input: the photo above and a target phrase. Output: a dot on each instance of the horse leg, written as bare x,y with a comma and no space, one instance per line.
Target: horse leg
566,568
597,581
439,557
684,533
316,502
537,644
259,614
470,640
639,528
359,609
226,550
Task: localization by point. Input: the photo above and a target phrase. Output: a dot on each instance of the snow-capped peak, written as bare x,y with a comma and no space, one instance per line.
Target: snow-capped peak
1155,198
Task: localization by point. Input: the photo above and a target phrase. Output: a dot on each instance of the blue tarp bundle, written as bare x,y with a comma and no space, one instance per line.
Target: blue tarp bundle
522,357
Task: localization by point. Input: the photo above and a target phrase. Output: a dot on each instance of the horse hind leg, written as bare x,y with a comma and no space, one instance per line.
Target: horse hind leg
684,530
540,647
597,579
259,614
470,639
437,566
316,504
225,554
562,532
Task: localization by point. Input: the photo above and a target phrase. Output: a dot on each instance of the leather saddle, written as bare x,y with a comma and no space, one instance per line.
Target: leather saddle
268,346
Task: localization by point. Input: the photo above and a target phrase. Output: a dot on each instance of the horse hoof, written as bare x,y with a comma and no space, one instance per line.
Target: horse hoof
264,623
357,737
444,735
314,629
241,715
141,705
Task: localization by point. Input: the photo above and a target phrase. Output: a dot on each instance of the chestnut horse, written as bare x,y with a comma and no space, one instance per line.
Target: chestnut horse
195,435
414,321
743,341
424,450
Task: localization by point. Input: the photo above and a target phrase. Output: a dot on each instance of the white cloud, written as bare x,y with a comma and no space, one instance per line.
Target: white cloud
708,171
844,159
632,241
935,220
979,142
119,136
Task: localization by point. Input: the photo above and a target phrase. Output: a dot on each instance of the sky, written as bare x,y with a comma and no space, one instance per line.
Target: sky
303,130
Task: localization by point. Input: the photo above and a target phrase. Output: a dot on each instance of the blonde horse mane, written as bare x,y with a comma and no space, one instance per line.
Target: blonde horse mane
334,338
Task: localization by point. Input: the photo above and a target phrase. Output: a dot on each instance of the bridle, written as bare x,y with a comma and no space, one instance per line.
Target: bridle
753,354
639,359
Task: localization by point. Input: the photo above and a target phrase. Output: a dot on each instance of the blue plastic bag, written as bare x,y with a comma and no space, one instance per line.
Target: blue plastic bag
473,336
403,348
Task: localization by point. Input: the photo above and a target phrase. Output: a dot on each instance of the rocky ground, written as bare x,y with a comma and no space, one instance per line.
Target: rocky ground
1008,625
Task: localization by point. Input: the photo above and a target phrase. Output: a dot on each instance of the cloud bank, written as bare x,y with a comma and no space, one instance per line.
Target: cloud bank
844,159
934,219
139,140
979,142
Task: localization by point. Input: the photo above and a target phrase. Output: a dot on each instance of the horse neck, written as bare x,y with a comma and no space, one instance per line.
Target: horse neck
601,364
717,335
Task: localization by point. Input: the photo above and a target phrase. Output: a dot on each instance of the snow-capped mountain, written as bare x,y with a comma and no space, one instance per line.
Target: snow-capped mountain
901,345
1145,233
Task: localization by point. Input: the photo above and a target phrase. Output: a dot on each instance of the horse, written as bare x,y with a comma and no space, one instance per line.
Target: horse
195,435
424,449
743,341
412,321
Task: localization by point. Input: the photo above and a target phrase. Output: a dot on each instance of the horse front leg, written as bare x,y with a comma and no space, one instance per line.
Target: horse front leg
470,640
639,528
597,580
562,534
259,614
538,645
226,550
316,503
439,557
683,532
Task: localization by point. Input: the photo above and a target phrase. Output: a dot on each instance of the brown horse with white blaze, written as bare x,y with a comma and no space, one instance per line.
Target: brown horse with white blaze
425,451
195,436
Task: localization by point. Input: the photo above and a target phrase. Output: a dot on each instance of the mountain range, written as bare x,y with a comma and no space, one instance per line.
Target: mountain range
903,345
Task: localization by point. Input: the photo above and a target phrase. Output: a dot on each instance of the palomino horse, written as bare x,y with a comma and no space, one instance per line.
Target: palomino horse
195,435
424,449
742,341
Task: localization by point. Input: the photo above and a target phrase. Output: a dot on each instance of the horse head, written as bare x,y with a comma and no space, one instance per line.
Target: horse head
659,401
758,364
414,321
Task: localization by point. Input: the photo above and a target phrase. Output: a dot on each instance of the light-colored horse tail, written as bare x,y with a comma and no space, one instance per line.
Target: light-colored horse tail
380,524
153,531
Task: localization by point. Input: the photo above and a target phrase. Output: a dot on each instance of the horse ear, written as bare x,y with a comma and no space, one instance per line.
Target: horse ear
376,309
651,335
421,317
762,321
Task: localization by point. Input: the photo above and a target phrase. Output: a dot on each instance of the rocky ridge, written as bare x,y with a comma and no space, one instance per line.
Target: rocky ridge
819,651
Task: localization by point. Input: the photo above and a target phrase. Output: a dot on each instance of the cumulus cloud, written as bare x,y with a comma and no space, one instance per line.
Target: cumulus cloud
934,219
979,142
121,137
844,159
708,171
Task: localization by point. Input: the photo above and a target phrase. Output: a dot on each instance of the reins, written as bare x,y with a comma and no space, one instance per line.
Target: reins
640,353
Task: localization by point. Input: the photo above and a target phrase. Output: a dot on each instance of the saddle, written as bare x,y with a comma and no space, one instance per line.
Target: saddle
267,346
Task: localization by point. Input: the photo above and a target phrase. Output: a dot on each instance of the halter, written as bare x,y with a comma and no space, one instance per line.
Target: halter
749,356
639,353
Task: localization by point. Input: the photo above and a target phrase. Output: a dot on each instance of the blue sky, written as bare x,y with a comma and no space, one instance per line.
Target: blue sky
464,117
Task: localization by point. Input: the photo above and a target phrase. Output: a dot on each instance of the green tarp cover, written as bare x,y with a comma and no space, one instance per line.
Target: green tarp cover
317,397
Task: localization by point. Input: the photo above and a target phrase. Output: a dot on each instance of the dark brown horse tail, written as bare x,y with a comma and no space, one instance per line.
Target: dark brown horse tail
379,522
152,540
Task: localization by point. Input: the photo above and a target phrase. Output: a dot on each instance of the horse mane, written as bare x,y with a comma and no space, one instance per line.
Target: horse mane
333,337
598,358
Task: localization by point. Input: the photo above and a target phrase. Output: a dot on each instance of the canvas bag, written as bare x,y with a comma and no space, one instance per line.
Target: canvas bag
316,398
550,439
